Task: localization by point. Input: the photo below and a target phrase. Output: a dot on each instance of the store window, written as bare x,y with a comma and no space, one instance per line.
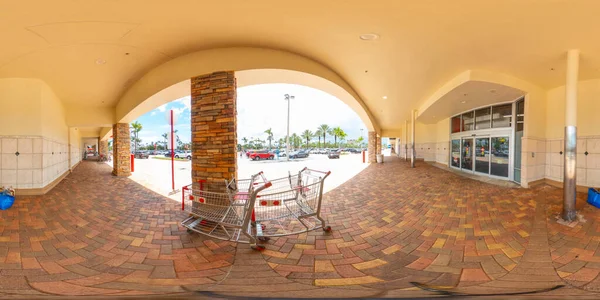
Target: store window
483,118
456,153
468,121
502,116
520,115
456,124
500,156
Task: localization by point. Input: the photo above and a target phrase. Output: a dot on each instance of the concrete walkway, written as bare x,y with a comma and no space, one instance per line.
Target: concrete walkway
95,234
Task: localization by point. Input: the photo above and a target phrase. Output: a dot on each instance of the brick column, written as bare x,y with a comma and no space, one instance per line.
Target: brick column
372,147
103,148
121,150
378,144
214,128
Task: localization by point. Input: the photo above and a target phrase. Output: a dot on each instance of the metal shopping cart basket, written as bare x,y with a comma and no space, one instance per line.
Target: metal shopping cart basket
256,208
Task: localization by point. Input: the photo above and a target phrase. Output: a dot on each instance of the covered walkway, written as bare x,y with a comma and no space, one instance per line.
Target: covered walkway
392,225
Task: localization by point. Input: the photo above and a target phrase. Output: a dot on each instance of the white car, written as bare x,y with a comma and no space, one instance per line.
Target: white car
282,153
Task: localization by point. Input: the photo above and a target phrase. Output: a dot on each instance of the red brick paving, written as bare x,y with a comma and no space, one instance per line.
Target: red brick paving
95,234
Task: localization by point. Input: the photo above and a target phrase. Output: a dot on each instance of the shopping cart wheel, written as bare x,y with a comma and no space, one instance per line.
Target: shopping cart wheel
327,228
258,247
264,238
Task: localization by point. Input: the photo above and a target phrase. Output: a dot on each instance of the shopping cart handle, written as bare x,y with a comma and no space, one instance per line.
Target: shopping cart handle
317,171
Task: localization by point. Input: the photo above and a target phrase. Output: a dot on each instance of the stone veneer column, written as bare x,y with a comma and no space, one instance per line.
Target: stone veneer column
372,147
103,148
378,144
121,150
214,128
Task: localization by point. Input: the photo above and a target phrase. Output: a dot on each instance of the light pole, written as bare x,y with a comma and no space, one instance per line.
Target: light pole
287,137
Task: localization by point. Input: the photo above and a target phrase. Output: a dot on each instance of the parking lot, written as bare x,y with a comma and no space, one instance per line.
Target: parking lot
155,174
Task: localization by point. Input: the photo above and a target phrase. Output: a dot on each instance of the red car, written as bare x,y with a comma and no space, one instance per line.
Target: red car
262,154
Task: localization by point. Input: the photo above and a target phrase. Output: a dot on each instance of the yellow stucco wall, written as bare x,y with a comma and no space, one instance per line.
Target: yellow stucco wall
588,105
20,103
54,125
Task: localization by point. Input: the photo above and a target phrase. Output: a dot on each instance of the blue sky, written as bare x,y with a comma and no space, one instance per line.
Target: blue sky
261,107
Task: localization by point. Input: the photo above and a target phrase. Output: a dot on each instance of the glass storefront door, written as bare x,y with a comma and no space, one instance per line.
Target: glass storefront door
500,156
482,155
455,153
467,154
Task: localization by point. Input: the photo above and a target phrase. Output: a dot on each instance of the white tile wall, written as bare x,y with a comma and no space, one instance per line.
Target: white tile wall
40,161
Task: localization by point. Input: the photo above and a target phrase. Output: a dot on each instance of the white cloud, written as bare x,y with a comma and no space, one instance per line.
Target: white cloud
186,101
153,113
162,108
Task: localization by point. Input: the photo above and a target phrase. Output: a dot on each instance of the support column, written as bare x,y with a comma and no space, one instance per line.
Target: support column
214,129
103,148
372,147
378,144
121,150
570,172
413,153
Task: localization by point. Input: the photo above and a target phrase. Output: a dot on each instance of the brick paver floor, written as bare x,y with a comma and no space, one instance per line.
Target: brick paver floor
95,234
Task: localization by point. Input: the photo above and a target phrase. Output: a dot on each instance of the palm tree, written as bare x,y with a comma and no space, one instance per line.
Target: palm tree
307,134
318,134
337,132
360,141
325,129
342,135
166,137
245,140
136,127
294,139
269,136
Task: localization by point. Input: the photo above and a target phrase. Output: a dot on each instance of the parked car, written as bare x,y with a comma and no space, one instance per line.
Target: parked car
140,154
183,154
299,154
333,154
262,154
353,150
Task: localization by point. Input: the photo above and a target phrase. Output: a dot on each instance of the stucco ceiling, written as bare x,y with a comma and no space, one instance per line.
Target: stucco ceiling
423,43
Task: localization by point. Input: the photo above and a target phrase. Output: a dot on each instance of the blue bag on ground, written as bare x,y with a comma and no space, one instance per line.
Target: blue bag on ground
594,197
6,199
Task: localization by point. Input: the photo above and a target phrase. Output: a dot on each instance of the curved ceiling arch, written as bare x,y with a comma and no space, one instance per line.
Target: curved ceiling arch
471,89
168,80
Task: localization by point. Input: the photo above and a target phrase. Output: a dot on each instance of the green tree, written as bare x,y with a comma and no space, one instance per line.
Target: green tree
136,127
269,133
166,137
319,134
337,132
360,141
293,140
245,141
307,134
325,129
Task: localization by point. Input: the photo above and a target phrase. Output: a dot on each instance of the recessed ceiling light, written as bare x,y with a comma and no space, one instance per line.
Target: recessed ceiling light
100,61
463,102
493,91
384,97
465,94
369,36
551,69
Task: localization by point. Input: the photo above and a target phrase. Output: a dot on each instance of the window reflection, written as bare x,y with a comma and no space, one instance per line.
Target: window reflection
455,153
501,116
482,155
500,150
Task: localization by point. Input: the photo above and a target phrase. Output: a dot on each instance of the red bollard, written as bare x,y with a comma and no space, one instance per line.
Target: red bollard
132,157
363,156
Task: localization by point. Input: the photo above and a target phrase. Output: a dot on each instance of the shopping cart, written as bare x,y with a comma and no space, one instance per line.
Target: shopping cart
256,209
